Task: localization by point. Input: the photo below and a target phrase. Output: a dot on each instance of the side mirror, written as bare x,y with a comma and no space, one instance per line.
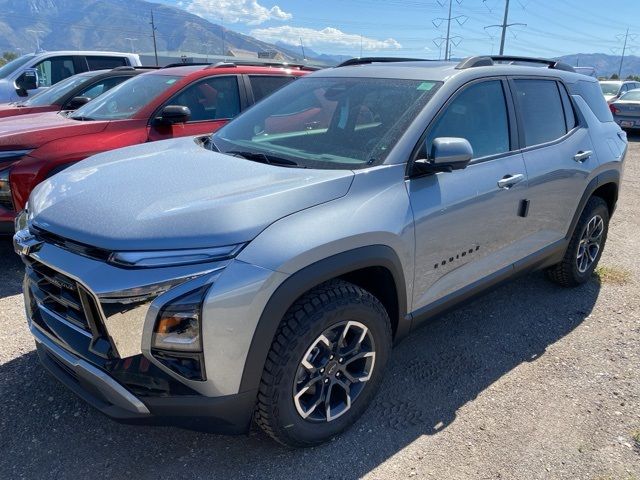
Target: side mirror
447,154
172,114
77,102
28,80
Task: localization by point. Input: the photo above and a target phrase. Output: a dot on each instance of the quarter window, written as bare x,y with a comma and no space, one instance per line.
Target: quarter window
212,99
569,113
478,114
103,63
52,70
543,118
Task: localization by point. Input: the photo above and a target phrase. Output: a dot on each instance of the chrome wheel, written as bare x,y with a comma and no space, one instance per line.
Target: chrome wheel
333,371
590,242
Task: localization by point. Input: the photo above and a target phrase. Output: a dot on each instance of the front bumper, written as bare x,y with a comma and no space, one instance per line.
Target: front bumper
230,414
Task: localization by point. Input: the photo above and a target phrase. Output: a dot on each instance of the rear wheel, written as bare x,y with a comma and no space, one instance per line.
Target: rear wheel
585,247
325,364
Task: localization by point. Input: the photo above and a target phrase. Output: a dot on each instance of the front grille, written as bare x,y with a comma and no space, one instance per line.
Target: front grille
70,245
58,293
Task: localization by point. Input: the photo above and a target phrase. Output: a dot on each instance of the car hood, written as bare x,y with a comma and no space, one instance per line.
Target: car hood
11,110
35,129
175,194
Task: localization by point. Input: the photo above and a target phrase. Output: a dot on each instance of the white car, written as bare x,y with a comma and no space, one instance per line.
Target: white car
30,74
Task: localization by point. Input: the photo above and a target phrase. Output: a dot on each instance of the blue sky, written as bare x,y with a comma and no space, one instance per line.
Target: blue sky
406,27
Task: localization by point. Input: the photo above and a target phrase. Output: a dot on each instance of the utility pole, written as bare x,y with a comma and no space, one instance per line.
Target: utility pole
504,26
460,19
624,49
360,46
131,40
153,32
224,53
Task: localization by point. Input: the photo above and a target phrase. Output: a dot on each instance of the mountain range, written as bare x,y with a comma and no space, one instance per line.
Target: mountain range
125,24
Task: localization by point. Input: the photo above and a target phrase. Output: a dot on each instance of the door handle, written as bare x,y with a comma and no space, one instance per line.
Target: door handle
582,156
509,181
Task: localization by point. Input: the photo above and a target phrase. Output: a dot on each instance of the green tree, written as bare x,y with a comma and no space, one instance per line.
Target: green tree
7,57
615,77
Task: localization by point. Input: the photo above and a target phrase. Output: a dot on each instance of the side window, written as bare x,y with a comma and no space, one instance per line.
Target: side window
211,99
569,113
541,110
263,85
623,89
479,114
592,94
52,70
102,86
104,63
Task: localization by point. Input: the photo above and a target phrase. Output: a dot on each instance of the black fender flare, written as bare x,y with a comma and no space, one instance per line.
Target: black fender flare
608,176
304,280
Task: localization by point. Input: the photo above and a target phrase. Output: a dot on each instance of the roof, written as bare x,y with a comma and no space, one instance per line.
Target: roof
226,69
442,71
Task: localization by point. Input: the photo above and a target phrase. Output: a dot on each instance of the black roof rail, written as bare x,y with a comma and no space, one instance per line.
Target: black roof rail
368,60
488,60
258,63
130,68
181,64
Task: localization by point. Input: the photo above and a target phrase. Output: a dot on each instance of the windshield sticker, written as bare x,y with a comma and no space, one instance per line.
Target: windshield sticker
426,86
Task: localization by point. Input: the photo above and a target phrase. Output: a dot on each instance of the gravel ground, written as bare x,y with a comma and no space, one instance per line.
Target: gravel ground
530,381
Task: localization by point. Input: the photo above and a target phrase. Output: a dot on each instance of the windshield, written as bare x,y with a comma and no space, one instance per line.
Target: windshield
610,88
55,93
13,65
328,122
126,99
631,95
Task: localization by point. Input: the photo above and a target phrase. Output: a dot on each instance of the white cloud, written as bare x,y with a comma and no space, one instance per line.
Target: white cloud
327,37
237,11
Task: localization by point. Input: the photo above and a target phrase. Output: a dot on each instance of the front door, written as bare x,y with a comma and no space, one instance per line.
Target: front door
467,222
212,101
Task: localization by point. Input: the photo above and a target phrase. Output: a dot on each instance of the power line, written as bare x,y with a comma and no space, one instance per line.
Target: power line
460,20
504,25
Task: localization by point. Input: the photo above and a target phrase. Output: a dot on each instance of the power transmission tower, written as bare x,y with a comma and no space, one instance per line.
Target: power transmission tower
153,32
626,36
131,40
504,25
460,20
36,33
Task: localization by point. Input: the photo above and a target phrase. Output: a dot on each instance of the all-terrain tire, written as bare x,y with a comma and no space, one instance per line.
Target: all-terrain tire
567,273
327,306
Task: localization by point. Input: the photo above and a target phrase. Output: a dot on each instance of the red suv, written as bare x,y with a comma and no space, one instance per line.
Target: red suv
166,103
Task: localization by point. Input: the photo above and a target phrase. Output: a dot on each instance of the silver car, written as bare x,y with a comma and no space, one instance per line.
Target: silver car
626,110
614,89
266,271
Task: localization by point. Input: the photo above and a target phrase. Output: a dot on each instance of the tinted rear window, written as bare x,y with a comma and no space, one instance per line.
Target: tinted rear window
541,108
264,85
592,94
103,63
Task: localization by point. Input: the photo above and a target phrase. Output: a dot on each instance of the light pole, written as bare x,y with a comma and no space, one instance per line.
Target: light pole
36,34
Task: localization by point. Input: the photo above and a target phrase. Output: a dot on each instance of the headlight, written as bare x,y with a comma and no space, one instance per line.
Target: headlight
172,258
177,338
5,190
21,221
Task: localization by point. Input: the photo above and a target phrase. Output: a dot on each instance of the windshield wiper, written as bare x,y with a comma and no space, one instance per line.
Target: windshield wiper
264,158
81,118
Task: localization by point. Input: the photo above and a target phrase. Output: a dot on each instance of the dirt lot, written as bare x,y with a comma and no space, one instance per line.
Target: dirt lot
528,382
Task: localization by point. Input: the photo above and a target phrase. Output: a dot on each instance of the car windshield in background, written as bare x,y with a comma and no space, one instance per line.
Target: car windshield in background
51,95
126,99
10,67
631,96
327,122
610,88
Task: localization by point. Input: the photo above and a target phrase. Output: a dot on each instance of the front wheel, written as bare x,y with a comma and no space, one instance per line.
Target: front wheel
585,247
325,364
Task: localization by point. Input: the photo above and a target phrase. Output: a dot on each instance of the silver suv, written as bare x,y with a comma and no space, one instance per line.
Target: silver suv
265,271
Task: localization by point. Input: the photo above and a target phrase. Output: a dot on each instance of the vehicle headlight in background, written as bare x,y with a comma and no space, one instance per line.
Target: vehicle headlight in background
5,190
172,258
177,335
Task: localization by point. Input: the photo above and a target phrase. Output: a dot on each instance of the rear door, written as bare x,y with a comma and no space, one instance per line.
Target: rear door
212,101
467,222
558,154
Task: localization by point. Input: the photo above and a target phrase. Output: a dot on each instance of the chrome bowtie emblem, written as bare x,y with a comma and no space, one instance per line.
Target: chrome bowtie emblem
24,243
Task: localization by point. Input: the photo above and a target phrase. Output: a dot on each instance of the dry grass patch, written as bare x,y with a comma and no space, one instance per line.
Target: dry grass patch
612,275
